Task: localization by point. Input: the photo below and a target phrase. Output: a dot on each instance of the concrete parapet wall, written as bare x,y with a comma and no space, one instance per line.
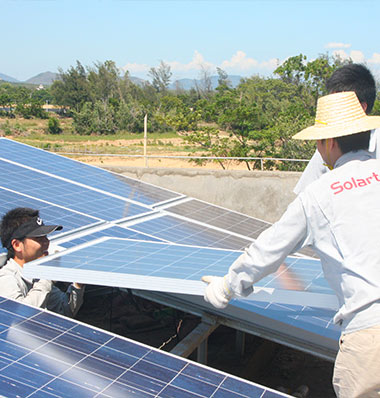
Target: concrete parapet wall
261,194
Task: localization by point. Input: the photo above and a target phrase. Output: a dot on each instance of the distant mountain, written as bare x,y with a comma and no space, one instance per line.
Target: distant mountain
45,78
137,80
188,84
8,78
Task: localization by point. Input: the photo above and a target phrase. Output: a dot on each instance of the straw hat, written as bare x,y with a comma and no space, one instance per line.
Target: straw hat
338,115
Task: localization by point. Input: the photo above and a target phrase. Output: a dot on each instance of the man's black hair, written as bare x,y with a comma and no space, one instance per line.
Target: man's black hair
11,221
354,142
354,77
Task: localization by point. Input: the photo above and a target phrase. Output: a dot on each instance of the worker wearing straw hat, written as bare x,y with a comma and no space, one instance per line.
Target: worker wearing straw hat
350,77
338,215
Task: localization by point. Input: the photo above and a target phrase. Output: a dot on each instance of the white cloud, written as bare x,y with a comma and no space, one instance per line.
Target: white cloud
355,55
271,64
135,68
375,59
341,54
240,61
337,45
197,63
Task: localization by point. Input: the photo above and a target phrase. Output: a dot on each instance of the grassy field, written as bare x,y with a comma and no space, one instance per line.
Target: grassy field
35,132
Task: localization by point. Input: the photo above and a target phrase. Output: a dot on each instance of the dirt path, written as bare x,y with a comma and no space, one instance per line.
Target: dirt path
159,162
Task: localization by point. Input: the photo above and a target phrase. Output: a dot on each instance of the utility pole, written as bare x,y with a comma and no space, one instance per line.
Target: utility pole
145,138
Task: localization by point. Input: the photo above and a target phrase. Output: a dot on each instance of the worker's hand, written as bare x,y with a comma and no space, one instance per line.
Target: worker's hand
78,285
218,291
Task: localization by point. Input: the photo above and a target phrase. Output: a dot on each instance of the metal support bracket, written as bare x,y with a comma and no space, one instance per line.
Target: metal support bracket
197,339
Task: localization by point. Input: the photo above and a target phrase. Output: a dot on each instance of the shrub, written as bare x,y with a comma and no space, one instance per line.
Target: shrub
54,126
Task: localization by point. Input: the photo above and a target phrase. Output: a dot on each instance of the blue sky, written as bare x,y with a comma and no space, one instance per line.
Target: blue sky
242,37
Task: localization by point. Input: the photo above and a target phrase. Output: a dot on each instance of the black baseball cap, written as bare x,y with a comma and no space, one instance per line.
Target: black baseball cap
33,228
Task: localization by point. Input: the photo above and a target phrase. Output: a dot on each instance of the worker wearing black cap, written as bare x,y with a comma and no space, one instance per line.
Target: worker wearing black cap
24,235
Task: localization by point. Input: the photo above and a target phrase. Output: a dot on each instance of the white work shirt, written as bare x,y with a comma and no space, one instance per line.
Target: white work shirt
41,293
315,168
339,217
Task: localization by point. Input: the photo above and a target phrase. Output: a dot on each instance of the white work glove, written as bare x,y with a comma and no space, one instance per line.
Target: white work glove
218,291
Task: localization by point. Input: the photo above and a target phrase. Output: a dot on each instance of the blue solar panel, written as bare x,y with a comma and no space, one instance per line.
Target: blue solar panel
63,193
50,213
175,269
228,231
46,355
311,319
304,274
135,264
185,232
307,328
83,173
113,231
219,217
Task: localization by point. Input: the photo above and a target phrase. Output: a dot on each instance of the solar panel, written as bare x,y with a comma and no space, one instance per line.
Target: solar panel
179,230
228,220
312,319
80,172
46,355
219,217
63,193
109,230
175,269
95,194
50,213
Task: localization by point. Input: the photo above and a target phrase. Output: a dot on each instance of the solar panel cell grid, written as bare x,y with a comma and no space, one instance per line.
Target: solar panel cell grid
50,213
225,219
45,355
112,231
63,193
80,172
176,230
176,269
219,217
315,320
171,228
304,274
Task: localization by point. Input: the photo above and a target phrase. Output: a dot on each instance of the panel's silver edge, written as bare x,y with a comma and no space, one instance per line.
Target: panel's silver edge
172,202
37,269
250,322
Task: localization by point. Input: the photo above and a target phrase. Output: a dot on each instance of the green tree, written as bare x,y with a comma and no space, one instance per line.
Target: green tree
160,77
72,88
376,106
258,117
174,115
292,70
211,141
204,85
103,81
5,99
310,74
54,126
130,116
95,118
223,82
